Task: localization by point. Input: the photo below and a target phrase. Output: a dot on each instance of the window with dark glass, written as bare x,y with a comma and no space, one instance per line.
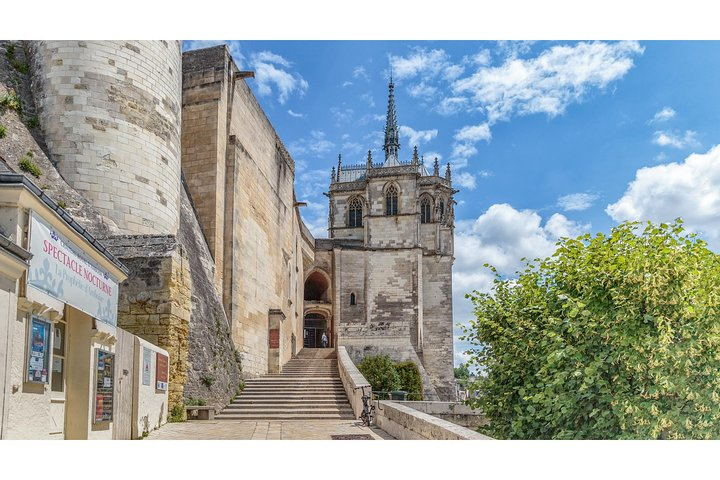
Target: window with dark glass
425,211
391,201
352,299
442,208
355,215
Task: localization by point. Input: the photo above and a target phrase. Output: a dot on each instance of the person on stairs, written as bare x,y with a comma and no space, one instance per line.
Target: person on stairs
324,341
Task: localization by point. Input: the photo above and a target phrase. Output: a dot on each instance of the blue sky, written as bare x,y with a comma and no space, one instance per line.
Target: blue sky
546,139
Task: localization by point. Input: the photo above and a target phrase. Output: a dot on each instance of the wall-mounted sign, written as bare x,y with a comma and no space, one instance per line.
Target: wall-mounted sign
38,351
274,338
104,385
146,359
161,371
61,269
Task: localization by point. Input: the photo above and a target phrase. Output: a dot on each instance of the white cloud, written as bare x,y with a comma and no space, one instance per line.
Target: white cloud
360,72
347,83
342,115
665,114
451,105
690,190
422,90
271,76
463,150
501,236
417,137
550,82
473,133
422,61
351,147
485,173
317,144
481,58
675,139
464,179
295,114
660,157
368,98
577,201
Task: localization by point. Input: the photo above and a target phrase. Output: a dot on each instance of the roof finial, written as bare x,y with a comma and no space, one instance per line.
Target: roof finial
436,168
332,175
392,132
415,155
369,160
339,166
447,172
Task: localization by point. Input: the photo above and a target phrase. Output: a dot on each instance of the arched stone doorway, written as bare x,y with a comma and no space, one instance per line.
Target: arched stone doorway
314,326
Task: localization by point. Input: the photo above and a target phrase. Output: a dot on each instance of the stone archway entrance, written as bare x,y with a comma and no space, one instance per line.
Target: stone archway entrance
314,326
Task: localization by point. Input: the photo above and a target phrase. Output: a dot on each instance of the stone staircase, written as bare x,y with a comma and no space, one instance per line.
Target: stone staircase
309,388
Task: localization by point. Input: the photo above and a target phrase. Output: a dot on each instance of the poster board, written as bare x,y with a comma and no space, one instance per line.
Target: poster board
38,351
161,371
146,359
104,385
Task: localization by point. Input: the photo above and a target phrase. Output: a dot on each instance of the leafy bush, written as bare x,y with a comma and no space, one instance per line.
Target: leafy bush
11,100
614,336
10,51
195,402
33,122
380,371
207,380
3,131
410,379
27,165
177,413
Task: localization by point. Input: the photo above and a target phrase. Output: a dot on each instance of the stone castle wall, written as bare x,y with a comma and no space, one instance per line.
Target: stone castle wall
110,115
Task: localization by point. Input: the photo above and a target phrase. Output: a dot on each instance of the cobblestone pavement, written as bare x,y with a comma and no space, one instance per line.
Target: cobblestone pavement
264,430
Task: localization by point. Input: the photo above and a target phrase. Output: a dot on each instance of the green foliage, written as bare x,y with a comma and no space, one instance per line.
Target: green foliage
21,67
10,51
380,371
195,402
61,204
410,380
27,165
207,380
241,387
177,413
3,131
462,372
33,122
613,336
11,100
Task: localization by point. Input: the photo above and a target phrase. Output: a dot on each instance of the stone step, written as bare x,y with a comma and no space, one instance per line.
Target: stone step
292,398
288,408
283,416
339,402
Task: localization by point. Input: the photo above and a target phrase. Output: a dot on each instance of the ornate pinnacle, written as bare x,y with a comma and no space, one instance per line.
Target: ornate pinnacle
369,160
332,175
415,155
436,168
392,132
447,172
339,166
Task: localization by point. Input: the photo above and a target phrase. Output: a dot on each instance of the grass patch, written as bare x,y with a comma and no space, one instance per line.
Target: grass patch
3,131
195,402
11,100
27,165
21,67
10,51
33,122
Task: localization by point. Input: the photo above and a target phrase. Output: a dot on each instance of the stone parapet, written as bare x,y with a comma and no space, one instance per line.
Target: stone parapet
353,381
405,423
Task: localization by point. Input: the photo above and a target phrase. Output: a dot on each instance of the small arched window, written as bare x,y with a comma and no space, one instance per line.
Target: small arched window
425,211
391,201
352,299
355,214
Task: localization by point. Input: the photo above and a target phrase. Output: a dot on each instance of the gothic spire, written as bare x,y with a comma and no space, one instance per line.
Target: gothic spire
339,166
392,134
332,175
436,168
447,172
369,160
415,156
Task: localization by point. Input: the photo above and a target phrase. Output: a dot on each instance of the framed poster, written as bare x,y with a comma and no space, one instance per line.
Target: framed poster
104,385
38,359
146,359
161,371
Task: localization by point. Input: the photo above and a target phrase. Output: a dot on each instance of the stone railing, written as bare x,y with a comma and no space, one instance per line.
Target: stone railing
405,423
353,381
454,412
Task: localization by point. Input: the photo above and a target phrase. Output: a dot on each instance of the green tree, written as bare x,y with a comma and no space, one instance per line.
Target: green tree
462,372
614,336
410,379
380,371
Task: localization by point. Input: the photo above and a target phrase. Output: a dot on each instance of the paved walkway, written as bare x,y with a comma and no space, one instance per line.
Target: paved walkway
264,430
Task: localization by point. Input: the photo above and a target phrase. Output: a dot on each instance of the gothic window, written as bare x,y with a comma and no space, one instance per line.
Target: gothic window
391,201
442,209
352,299
355,214
425,211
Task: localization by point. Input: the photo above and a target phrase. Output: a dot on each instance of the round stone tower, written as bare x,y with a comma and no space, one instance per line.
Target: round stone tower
110,113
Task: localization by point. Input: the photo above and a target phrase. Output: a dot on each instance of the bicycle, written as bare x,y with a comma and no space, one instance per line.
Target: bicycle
366,415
